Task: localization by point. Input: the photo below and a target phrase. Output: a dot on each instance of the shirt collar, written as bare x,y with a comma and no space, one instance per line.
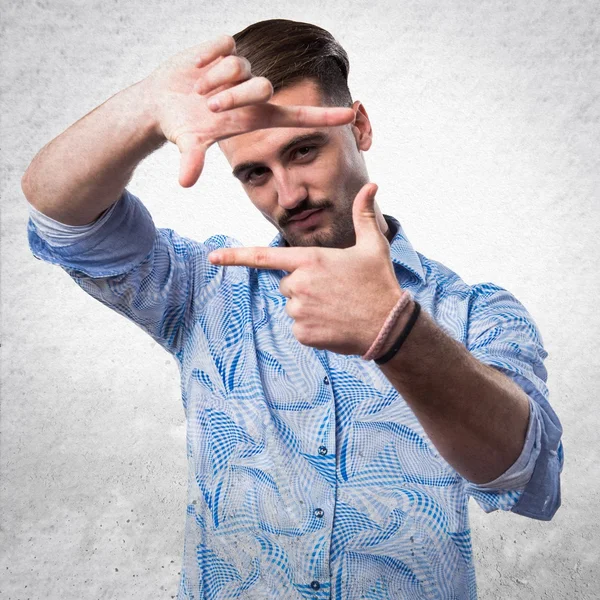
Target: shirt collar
401,251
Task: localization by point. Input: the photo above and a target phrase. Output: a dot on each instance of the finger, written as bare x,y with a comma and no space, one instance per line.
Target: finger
224,45
203,54
253,91
308,116
287,259
192,159
364,217
266,115
230,69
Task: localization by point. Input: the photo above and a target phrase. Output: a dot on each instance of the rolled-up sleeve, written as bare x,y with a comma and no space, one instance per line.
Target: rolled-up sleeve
503,335
118,241
152,276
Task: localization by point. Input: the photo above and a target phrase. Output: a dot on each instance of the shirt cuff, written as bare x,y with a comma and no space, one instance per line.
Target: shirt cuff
60,234
519,474
113,244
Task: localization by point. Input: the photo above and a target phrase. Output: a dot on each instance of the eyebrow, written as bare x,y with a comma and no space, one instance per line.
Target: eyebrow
317,137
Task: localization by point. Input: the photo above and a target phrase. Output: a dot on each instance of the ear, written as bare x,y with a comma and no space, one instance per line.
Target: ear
361,128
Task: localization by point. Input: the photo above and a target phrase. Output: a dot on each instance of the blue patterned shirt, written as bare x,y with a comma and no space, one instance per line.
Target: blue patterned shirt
309,475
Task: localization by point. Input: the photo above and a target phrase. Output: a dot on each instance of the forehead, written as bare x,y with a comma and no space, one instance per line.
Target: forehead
240,148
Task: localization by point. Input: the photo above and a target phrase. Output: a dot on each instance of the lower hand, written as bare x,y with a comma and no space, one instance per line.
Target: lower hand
339,299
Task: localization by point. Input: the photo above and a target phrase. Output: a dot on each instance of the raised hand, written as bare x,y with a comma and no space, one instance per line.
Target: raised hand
207,93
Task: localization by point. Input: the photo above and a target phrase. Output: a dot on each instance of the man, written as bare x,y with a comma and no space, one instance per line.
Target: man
315,471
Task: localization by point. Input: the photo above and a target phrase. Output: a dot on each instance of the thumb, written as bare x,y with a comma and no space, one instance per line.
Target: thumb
192,159
363,214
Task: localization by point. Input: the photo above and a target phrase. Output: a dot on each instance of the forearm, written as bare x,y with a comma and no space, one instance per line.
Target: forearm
475,416
84,170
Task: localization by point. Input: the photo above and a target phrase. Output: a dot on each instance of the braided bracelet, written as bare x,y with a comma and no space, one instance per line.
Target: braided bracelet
402,336
388,326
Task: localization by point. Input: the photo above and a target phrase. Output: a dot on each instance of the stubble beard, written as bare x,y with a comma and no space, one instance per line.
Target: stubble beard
337,233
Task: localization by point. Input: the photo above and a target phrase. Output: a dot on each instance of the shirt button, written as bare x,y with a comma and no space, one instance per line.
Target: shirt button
319,512
322,450
315,585
326,380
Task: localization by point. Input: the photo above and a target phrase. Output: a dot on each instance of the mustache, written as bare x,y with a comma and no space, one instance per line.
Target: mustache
304,209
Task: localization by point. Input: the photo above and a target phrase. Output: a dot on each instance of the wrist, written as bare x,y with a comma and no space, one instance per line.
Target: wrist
398,327
391,329
144,105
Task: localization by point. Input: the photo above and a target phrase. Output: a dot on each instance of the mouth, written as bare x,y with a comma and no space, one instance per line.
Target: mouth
312,217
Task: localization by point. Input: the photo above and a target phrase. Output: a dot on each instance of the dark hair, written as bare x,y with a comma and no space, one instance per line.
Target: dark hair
286,52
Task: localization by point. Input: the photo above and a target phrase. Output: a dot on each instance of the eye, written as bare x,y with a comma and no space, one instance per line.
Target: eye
303,151
253,177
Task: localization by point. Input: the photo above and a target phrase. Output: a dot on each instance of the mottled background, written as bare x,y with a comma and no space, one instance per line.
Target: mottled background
486,128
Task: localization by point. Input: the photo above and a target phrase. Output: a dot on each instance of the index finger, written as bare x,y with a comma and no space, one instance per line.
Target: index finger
266,115
286,259
274,115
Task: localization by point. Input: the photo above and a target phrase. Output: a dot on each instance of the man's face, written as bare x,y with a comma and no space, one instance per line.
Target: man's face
286,171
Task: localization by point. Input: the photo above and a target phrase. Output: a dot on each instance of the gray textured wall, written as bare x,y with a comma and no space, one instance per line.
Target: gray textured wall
486,122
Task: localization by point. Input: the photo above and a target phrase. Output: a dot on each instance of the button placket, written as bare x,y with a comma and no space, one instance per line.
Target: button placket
318,512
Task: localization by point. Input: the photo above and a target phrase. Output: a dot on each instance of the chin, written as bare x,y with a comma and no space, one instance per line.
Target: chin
322,241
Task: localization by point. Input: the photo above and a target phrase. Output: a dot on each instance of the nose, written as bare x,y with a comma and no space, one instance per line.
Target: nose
291,189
